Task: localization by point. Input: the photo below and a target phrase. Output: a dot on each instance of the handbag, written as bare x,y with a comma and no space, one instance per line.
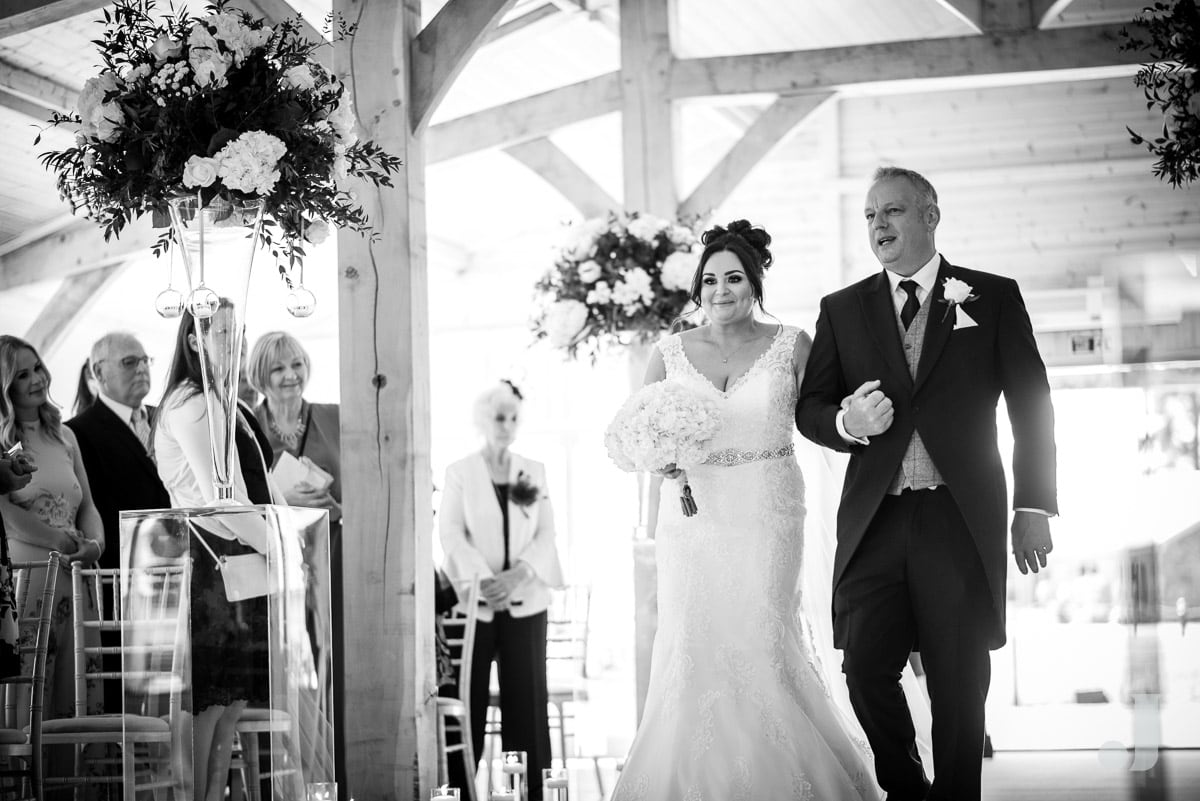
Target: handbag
10,628
245,575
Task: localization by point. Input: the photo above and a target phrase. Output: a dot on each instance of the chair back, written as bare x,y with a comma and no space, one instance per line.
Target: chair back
24,693
567,623
459,625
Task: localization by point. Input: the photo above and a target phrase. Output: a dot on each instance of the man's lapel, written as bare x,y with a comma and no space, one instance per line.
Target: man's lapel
879,312
937,327
123,437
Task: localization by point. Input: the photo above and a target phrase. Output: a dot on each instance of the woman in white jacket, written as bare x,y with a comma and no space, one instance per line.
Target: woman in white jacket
496,523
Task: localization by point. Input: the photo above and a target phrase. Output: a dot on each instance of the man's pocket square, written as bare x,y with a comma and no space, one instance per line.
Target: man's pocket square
962,319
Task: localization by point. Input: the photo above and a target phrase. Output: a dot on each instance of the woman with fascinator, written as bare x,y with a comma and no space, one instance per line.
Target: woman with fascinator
496,524
740,702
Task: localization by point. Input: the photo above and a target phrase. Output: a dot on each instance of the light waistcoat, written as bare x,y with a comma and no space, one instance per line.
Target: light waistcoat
917,470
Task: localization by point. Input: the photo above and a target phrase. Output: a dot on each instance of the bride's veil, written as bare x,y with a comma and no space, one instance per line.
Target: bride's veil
823,472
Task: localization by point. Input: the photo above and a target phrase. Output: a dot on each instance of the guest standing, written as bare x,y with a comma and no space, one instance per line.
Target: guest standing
113,432
497,524
279,368
229,640
53,512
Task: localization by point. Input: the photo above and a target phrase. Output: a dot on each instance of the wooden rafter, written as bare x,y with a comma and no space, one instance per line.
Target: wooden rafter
961,59
522,22
831,68
969,11
75,249
776,121
527,118
561,172
23,105
18,16
1047,12
37,88
648,118
442,49
68,305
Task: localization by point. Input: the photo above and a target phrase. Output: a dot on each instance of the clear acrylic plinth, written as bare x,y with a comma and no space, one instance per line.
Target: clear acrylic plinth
226,635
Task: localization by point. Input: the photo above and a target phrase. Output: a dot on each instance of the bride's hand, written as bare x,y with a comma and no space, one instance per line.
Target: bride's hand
670,471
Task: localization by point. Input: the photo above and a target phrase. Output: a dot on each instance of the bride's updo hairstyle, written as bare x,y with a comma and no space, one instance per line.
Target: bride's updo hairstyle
748,242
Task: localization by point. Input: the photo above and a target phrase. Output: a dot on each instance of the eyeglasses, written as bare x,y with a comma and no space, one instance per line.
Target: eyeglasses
132,362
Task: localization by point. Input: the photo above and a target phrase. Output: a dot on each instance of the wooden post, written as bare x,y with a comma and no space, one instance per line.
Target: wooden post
648,126
390,697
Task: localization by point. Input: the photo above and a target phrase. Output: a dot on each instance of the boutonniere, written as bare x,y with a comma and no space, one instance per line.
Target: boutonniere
956,294
524,493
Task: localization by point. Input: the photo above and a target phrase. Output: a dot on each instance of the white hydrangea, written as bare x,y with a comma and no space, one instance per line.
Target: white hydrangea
239,39
563,322
678,269
101,120
343,122
646,227
680,235
600,294
663,423
633,290
250,162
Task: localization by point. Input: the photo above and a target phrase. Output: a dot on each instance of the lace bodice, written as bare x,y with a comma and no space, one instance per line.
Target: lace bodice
769,384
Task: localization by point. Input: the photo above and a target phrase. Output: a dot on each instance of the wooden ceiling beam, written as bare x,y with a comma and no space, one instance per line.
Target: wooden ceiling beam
38,88
67,306
649,120
443,48
776,122
959,62
561,171
76,249
19,16
964,56
23,105
527,118
1047,12
522,22
969,11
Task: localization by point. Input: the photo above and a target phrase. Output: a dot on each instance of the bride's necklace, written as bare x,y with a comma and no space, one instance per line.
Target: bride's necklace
725,358
290,438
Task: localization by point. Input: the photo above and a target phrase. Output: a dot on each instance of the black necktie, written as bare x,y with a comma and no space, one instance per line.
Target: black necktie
911,305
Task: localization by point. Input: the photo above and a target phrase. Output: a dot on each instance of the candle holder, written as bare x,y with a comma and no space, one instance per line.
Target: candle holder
321,791
445,793
513,766
554,784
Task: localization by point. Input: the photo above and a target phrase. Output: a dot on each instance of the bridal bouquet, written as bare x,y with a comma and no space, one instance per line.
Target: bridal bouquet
617,280
221,105
662,424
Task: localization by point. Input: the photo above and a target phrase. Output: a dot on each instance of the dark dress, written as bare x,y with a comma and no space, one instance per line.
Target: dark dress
230,643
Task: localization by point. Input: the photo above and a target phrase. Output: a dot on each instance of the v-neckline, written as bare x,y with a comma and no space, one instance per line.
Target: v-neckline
741,379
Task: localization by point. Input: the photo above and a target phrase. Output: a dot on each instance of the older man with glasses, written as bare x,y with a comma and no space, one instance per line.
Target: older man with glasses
114,439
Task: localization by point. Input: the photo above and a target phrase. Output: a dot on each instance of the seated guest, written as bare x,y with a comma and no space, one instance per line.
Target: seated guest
53,512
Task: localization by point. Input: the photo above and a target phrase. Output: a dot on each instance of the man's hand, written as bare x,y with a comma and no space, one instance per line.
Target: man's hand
868,411
16,471
1030,540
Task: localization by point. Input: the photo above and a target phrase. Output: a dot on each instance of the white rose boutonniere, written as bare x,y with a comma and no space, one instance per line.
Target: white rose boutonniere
958,293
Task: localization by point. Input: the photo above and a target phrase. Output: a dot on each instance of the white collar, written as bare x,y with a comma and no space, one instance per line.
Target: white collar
119,409
926,277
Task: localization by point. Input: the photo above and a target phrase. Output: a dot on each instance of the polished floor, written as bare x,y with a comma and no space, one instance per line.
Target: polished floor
1172,775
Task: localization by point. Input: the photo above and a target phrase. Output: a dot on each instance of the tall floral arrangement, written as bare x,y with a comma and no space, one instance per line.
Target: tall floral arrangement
617,280
1169,34
222,105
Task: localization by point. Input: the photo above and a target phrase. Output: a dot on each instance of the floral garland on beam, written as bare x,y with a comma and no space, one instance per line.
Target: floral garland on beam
1170,35
618,280
221,105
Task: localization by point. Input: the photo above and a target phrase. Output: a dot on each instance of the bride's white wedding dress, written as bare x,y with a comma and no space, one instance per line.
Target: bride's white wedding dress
739,706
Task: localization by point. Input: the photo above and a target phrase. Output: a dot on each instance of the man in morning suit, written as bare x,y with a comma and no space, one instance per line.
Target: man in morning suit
114,441
906,371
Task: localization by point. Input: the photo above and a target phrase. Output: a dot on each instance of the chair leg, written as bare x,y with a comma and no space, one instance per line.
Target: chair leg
128,768
253,779
562,731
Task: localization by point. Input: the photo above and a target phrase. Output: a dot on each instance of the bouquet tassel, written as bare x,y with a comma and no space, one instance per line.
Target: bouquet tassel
686,501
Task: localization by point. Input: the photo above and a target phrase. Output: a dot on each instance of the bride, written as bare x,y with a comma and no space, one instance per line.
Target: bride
740,704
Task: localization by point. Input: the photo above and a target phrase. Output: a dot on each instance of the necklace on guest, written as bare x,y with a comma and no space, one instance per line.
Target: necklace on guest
289,438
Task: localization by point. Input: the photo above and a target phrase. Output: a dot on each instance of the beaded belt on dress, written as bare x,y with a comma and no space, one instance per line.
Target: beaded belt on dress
731,457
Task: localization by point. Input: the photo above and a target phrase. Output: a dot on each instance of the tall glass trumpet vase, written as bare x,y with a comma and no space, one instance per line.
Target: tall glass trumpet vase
218,239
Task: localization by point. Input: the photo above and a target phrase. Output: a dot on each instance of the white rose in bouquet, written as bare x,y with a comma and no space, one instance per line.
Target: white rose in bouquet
317,231
564,320
678,269
165,48
101,120
589,271
299,77
199,172
646,227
